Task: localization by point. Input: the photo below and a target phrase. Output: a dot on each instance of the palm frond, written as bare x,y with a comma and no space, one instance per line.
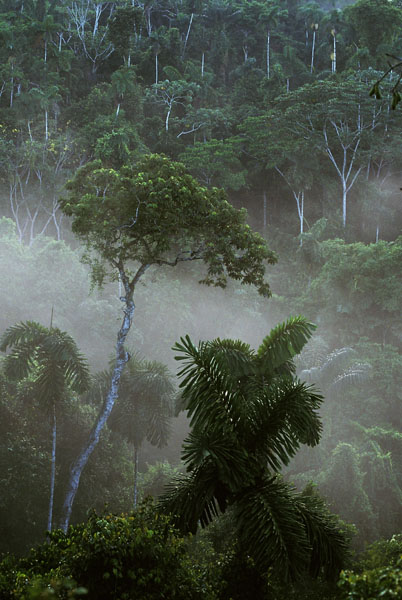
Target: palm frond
335,362
209,392
310,375
270,528
283,343
20,362
329,545
49,355
193,499
230,459
355,375
283,418
146,402
29,332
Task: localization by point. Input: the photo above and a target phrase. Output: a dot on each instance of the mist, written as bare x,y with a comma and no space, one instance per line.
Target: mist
293,110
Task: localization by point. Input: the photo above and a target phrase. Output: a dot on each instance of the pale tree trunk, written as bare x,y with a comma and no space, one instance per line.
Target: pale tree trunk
167,116
52,472
12,92
299,197
264,214
377,234
156,69
202,64
268,51
342,167
312,52
300,211
334,56
187,34
122,357
136,456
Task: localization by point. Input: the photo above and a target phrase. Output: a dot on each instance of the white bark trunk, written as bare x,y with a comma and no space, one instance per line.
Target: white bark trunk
268,50
187,34
264,210
122,358
167,117
334,59
52,471
156,69
312,52
136,455
202,64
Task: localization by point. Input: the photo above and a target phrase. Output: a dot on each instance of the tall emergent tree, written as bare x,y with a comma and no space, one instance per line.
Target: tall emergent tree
249,415
154,214
52,360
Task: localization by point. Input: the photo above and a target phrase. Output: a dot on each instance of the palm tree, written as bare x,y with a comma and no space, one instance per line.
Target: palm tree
144,408
51,359
249,415
337,372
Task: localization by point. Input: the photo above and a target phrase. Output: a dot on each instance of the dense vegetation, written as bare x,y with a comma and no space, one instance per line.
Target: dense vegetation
147,109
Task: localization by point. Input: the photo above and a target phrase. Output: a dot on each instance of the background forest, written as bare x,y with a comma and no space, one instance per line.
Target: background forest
270,101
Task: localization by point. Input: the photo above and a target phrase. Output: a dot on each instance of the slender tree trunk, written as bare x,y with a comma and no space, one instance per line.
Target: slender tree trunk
122,358
300,208
312,52
52,470
344,199
136,456
12,92
156,68
46,125
167,118
264,215
334,56
377,234
268,51
187,34
202,64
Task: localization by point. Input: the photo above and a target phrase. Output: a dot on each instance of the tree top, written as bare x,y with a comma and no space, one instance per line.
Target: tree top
155,213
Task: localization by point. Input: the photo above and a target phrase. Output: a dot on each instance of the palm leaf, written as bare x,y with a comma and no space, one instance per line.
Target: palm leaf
270,528
355,375
283,343
329,548
29,332
230,459
335,362
194,498
281,419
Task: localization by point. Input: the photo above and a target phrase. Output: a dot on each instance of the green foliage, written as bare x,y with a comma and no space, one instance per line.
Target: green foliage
50,354
138,555
248,416
374,584
359,286
155,213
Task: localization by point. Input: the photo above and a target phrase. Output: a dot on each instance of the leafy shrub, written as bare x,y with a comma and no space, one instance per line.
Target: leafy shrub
112,557
383,553
381,584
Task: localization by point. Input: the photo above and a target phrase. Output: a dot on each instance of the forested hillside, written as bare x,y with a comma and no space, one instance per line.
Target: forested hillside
148,109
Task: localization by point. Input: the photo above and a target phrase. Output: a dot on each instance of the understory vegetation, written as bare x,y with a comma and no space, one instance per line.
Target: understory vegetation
188,178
